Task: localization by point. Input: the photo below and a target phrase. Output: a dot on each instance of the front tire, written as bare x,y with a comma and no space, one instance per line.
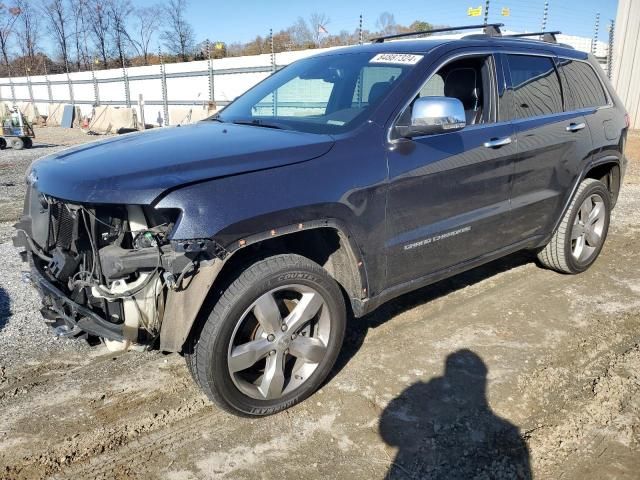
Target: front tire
17,143
580,237
272,337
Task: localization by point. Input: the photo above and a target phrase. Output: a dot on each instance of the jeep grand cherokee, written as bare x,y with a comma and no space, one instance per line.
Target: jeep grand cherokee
346,179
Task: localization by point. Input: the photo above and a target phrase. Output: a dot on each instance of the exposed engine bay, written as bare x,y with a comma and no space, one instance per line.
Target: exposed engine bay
107,270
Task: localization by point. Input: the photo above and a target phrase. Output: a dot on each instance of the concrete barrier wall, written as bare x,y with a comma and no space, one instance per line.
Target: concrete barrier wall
108,119
194,91
54,114
182,115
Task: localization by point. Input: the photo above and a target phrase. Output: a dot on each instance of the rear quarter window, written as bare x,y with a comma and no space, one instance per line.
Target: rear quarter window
585,89
535,85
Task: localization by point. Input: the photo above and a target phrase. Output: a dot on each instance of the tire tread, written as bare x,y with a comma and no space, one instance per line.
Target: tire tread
554,255
204,343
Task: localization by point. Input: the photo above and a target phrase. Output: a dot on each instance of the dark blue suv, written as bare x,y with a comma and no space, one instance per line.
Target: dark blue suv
338,183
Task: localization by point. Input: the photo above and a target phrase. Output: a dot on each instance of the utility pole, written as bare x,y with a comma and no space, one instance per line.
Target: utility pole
274,104
163,78
29,86
612,27
96,91
13,89
594,41
46,79
545,15
69,82
486,12
210,69
360,31
125,78
273,52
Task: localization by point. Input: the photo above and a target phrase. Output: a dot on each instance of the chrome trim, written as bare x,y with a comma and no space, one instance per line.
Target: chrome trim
468,53
574,127
497,142
432,115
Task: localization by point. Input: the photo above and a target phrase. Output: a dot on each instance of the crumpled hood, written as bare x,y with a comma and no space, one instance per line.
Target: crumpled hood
137,168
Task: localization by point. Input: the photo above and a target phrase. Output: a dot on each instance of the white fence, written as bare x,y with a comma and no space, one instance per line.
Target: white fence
163,87
167,89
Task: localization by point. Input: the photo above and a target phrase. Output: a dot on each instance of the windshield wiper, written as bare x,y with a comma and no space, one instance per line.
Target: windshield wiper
215,118
258,123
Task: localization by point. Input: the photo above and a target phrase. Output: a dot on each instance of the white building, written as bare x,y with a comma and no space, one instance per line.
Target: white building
626,58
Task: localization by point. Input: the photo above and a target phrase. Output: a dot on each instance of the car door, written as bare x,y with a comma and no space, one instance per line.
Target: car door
552,142
587,94
448,195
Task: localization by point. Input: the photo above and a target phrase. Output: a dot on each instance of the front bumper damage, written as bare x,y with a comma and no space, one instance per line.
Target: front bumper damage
114,272
76,319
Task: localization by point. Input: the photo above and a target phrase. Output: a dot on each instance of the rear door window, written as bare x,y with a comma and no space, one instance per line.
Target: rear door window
585,88
535,85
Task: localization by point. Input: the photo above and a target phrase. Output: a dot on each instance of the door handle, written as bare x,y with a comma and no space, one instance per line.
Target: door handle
574,127
497,142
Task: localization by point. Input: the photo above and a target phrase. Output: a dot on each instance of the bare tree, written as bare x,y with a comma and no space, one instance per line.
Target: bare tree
99,25
119,11
318,25
57,16
28,31
386,23
178,36
8,17
146,24
79,9
301,34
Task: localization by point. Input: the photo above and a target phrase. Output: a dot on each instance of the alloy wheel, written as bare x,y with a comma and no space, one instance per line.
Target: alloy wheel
279,342
588,227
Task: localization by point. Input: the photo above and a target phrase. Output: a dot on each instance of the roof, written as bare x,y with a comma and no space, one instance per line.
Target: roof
425,45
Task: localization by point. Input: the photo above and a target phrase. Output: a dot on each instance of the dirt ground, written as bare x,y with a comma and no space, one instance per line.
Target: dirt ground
541,367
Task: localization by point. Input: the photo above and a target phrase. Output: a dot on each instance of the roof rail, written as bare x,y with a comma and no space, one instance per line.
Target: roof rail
549,37
490,29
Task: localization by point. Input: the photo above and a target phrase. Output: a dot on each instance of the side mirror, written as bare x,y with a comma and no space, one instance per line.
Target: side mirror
431,115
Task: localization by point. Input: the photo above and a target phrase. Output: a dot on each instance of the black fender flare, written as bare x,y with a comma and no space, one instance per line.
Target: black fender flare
588,166
352,248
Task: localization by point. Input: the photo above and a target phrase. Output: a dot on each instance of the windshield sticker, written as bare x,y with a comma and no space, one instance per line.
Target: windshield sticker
396,58
335,122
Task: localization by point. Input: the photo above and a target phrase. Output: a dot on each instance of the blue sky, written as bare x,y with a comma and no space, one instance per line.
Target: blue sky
242,20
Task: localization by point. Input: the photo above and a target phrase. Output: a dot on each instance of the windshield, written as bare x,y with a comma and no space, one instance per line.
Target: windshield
325,94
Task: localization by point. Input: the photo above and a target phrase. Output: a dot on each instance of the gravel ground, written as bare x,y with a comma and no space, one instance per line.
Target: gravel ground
506,371
14,163
23,300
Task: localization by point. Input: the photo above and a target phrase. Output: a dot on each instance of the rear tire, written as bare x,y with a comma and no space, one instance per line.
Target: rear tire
271,339
578,240
3,143
28,143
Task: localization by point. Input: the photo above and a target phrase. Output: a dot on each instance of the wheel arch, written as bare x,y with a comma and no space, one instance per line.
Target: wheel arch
326,242
608,172
604,167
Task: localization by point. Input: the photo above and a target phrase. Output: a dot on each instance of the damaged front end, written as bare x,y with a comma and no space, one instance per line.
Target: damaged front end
113,271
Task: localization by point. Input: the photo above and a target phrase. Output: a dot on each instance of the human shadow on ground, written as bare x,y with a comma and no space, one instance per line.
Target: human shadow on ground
445,428
5,308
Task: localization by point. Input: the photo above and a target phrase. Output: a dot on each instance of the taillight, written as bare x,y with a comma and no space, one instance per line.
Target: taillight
627,120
